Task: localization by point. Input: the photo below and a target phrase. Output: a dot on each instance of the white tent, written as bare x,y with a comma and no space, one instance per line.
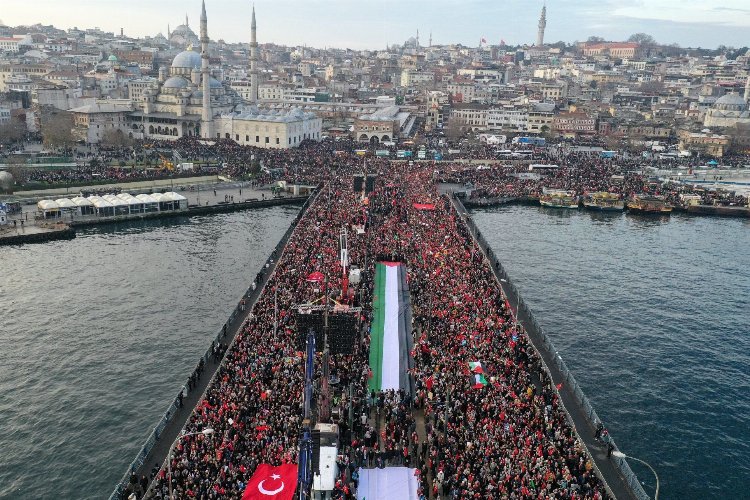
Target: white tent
136,205
150,204
103,207
178,201
66,204
85,207
49,209
121,207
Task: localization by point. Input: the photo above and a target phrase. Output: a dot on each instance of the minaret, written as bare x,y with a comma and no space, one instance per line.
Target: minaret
417,39
542,25
207,131
430,39
253,61
747,90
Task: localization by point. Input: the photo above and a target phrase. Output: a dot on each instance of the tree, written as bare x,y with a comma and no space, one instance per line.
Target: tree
595,39
454,129
642,38
12,132
17,169
57,129
115,138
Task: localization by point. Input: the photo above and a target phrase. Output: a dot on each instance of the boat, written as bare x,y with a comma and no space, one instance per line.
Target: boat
649,204
557,198
604,201
723,210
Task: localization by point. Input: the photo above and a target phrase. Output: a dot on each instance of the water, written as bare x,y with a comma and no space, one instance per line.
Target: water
652,316
99,333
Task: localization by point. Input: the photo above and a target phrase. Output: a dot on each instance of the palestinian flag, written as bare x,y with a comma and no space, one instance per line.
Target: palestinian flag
390,342
476,367
478,379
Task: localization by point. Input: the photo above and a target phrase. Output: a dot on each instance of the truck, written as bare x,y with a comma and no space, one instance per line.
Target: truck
325,470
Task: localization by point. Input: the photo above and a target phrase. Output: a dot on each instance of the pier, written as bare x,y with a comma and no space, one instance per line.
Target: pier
33,233
25,227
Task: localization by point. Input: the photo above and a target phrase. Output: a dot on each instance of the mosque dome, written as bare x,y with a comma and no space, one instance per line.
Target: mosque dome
112,58
730,102
176,82
183,29
214,83
187,59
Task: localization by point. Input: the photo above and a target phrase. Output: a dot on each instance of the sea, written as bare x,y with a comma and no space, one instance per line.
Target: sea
652,316
100,333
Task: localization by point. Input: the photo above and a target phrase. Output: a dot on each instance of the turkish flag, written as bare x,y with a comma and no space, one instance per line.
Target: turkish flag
315,276
271,482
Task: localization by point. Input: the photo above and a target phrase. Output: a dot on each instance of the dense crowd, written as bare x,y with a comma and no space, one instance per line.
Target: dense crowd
506,439
581,173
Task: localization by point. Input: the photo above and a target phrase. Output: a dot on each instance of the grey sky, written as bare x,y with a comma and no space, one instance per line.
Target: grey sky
373,24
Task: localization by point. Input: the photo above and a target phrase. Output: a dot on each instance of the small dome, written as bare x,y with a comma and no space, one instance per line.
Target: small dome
112,58
187,59
214,83
176,82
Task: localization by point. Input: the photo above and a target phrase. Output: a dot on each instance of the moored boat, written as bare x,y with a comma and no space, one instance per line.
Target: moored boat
604,201
649,204
559,199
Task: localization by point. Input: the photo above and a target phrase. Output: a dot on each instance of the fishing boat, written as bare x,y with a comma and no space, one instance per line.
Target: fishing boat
604,201
557,198
649,204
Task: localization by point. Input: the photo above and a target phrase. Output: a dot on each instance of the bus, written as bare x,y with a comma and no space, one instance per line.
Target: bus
543,168
534,141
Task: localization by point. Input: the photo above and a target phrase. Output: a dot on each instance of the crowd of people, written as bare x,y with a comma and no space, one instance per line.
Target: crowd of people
508,439
581,173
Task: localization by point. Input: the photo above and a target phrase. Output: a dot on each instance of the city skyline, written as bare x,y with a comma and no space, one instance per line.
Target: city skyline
339,23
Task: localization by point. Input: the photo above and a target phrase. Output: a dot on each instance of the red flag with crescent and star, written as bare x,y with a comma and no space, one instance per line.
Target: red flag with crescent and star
269,482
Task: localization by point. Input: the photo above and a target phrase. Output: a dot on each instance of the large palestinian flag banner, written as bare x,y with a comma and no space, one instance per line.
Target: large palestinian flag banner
390,340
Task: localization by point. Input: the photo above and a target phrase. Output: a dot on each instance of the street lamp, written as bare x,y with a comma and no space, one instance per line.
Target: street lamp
205,432
620,454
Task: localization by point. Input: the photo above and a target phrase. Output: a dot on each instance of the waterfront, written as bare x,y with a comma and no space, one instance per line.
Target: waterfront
650,314
101,332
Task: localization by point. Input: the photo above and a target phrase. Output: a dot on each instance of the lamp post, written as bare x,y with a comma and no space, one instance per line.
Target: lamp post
205,432
620,454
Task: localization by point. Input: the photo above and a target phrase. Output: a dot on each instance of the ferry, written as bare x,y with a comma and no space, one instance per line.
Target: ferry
604,201
648,204
557,198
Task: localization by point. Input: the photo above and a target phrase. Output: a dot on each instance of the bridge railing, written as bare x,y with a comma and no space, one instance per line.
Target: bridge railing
251,294
534,329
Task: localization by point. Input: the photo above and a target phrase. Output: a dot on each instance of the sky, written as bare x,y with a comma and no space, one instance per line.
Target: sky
363,24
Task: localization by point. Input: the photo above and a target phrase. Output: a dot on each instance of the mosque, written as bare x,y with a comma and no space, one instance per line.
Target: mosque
730,110
183,36
187,100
